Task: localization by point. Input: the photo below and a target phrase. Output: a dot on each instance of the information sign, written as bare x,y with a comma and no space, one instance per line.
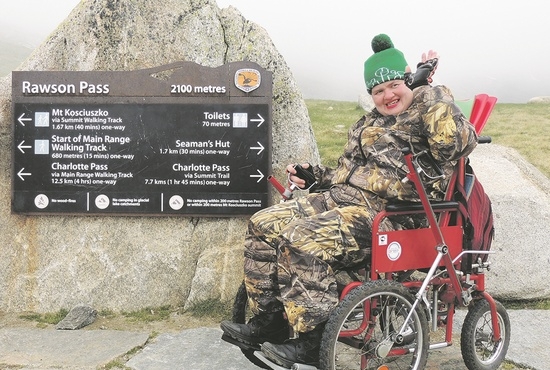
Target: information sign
180,139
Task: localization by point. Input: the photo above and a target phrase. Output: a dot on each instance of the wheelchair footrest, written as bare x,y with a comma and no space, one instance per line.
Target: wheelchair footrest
274,366
242,345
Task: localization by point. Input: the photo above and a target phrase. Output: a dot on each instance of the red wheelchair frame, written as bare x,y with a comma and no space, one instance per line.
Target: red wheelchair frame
381,321
439,250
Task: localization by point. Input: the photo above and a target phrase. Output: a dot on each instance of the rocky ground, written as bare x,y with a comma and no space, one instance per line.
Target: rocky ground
175,322
444,359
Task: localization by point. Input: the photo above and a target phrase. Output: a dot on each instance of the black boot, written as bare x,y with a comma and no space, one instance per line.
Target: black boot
264,327
303,350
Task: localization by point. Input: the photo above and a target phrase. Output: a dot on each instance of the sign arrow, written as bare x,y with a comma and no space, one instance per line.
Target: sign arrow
260,176
21,119
261,147
260,120
21,146
21,174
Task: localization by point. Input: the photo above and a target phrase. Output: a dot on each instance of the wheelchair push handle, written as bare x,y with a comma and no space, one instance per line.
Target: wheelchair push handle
484,139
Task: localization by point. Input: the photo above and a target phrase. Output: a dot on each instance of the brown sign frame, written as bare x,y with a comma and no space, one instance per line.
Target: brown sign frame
179,139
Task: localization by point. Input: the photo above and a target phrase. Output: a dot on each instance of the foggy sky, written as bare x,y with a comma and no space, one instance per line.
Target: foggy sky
489,46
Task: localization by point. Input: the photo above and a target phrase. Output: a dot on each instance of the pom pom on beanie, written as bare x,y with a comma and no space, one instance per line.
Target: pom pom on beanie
386,64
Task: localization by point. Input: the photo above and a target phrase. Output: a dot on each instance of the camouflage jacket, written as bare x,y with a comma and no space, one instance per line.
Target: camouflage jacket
372,165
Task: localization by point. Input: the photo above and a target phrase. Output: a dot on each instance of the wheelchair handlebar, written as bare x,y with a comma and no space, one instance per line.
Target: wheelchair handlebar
286,193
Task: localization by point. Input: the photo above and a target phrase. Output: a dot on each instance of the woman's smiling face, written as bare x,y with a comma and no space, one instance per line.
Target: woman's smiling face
392,97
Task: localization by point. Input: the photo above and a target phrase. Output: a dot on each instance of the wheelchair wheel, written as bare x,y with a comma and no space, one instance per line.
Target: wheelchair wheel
363,332
479,350
241,314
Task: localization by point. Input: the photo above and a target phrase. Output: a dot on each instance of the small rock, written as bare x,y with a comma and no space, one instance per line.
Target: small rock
79,317
365,102
539,100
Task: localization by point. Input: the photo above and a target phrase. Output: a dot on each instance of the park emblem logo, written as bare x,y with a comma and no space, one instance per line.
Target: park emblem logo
247,79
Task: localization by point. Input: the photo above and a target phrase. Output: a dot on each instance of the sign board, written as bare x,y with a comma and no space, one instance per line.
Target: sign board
180,139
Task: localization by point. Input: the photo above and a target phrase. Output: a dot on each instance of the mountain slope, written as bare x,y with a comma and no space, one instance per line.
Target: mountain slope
12,56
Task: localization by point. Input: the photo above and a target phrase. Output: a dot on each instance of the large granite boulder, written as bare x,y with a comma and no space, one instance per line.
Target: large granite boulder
520,196
126,263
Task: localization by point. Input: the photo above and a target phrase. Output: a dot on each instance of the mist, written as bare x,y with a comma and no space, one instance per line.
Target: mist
488,46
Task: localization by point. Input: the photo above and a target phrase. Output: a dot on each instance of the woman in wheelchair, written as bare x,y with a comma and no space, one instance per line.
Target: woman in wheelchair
292,248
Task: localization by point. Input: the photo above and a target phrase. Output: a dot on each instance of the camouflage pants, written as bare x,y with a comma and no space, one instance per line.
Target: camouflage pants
289,250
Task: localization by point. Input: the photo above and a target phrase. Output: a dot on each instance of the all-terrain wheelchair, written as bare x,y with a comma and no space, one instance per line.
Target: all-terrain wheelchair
410,286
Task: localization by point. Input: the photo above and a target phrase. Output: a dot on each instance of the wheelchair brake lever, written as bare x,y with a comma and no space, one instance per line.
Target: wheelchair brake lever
431,164
287,192
418,167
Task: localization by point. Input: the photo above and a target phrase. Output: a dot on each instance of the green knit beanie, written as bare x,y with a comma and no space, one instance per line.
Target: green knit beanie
386,64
